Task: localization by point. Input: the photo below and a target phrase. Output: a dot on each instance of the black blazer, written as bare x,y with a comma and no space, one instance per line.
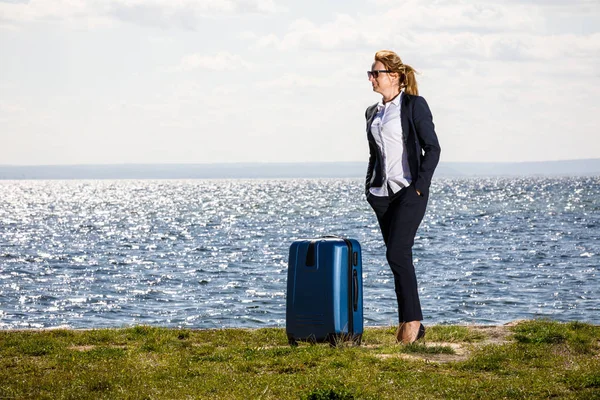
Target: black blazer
422,145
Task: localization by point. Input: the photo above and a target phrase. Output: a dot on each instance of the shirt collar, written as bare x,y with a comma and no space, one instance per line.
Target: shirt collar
395,101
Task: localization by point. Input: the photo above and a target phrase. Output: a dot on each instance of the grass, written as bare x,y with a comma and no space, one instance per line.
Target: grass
539,359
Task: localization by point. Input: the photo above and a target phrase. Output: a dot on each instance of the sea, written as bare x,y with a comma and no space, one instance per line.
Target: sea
214,253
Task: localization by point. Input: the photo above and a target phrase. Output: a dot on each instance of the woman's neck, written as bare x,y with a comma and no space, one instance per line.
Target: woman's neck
387,97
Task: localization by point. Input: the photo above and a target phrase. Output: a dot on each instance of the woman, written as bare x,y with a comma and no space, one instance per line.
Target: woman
404,153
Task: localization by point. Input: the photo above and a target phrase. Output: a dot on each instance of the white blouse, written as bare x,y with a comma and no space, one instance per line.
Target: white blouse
386,129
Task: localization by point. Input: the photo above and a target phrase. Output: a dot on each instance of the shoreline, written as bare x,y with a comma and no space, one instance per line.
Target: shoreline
246,329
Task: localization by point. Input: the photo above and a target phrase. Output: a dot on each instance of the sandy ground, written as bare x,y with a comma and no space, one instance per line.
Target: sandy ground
495,335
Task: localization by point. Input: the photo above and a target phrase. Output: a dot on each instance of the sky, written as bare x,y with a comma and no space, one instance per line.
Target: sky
210,81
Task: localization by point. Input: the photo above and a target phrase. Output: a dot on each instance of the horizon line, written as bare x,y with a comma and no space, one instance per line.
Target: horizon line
278,162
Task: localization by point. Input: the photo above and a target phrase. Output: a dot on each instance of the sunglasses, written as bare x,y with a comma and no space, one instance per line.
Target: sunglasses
375,74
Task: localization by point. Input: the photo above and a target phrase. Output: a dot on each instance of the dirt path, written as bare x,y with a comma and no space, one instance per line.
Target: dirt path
494,335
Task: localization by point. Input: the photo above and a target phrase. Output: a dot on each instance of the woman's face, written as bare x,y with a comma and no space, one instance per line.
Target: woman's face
385,82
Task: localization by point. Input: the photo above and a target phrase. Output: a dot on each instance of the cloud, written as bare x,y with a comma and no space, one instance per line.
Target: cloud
508,32
185,14
80,12
462,17
295,81
6,108
506,47
404,26
344,32
219,62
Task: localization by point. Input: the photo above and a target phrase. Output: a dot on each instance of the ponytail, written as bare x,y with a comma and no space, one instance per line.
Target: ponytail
408,81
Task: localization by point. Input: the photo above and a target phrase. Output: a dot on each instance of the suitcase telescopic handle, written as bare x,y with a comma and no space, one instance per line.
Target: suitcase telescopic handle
310,254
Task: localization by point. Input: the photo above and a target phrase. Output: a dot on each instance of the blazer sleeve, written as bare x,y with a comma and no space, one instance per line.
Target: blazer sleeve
372,156
428,141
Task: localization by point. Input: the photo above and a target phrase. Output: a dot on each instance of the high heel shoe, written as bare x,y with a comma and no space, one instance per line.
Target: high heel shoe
421,333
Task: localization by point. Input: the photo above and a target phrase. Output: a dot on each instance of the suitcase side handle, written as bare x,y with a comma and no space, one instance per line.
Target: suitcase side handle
355,287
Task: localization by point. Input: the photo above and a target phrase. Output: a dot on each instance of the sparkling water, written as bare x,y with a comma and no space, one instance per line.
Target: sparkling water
213,253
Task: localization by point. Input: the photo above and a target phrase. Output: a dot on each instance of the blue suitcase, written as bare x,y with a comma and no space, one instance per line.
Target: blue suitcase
324,291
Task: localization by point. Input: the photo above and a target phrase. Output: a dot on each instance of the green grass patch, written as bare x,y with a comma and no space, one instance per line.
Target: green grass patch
546,359
439,333
579,337
541,331
490,358
453,334
420,348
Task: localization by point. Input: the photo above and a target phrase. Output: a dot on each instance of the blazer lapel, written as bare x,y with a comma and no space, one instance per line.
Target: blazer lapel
373,113
404,110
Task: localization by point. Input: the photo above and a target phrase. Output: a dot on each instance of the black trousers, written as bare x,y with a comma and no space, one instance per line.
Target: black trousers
399,217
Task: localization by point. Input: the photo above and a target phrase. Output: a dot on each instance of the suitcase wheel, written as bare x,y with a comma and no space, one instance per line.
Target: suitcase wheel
292,342
332,340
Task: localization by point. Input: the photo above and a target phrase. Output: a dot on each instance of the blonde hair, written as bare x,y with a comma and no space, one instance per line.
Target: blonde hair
406,73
